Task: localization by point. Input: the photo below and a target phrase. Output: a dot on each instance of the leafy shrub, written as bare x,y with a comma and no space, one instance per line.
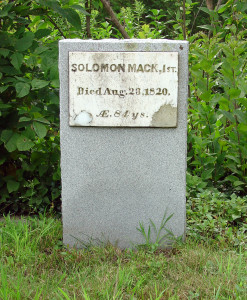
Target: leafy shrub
216,216
218,108
29,136
29,112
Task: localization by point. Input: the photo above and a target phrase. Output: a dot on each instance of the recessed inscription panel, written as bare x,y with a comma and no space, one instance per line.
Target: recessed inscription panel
123,89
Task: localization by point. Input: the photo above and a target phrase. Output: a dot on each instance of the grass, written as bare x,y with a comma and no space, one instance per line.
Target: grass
35,265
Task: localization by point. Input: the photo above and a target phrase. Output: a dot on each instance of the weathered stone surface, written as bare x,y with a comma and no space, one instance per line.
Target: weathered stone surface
123,89
115,177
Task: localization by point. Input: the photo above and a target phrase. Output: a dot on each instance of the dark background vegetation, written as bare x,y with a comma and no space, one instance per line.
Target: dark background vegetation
29,101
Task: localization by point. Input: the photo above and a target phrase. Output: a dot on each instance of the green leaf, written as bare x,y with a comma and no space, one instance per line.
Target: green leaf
80,8
4,12
4,52
242,86
41,49
29,132
22,89
24,143
55,83
234,158
54,99
16,60
97,4
233,93
234,217
42,120
9,70
224,103
67,13
72,17
39,84
231,178
2,160
242,128
6,134
54,74
218,123
241,116
3,88
12,186
22,79
207,174
7,39
31,62
42,33
142,35
208,27
25,42
43,169
205,9
222,8
53,4
228,115
40,129
24,119
9,138
4,105
238,183
11,144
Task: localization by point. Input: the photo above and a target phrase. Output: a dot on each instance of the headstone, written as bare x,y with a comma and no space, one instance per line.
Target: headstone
123,111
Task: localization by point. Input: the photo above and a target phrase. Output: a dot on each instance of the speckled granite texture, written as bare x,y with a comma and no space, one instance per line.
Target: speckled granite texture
114,178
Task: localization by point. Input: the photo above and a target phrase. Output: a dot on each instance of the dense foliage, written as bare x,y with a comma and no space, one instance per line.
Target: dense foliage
213,216
29,131
217,109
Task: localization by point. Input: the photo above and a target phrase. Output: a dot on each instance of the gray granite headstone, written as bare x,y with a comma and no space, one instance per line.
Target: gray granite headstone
123,112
